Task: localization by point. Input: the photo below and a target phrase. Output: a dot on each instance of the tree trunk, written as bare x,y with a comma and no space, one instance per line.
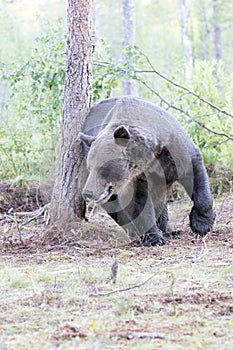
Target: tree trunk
188,52
217,33
129,39
67,205
205,38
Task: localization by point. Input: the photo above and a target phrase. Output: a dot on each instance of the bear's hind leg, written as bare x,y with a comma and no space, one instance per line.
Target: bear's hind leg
163,222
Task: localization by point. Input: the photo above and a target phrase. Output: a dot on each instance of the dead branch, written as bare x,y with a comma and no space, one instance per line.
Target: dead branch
169,105
36,214
122,289
220,133
153,70
204,251
17,226
139,335
114,270
39,211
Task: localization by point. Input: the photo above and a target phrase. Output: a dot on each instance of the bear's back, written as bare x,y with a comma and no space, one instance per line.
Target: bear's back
138,112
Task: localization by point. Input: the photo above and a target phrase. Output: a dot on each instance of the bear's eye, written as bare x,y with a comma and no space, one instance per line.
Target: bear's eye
104,172
111,173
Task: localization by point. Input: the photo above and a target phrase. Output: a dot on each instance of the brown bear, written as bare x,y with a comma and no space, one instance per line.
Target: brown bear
133,152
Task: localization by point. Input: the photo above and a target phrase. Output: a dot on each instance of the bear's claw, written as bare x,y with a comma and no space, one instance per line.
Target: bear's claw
151,239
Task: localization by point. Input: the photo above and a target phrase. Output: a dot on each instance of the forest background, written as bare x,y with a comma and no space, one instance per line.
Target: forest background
32,70
89,288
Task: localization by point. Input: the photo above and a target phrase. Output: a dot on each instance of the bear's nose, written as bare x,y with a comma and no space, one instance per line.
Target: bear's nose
87,194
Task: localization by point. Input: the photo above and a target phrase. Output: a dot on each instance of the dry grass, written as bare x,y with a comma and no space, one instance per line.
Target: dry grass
47,292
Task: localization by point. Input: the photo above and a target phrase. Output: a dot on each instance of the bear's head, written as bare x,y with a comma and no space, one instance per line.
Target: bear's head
116,156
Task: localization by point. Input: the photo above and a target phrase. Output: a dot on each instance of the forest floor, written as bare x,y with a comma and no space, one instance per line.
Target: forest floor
65,295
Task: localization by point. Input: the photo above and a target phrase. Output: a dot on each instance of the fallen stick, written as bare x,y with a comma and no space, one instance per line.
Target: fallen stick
140,335
204,251
95,295
37,213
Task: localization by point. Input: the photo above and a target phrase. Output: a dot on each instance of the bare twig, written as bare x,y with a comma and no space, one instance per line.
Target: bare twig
31,213
140,335
188,91
92,210
169,105
123,289
204,251
17,226
220,133
114,270
36,214
180,86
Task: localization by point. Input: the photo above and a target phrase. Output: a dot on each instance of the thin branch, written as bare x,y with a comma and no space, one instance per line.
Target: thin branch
169,105
204,251
180,86
220,133
32,213
123,289
17,226
38,214
188,91
214,143
139,335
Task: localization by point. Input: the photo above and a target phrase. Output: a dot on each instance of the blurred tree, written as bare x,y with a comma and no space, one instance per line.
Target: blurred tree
188,51
67,204
206,31
217,32
128,39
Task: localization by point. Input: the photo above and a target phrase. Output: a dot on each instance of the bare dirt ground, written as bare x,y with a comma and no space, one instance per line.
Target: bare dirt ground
86,289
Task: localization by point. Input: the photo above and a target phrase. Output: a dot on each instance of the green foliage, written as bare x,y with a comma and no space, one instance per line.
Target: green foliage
217,88
31,116
105,73
210,81
109,71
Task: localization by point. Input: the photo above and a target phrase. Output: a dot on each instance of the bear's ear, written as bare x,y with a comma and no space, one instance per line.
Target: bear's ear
121,135
87,139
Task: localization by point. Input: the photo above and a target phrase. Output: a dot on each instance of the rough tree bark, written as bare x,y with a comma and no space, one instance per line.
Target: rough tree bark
67,204
217,33
188,52
129,39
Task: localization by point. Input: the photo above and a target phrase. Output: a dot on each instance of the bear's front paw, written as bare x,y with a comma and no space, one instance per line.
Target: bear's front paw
173,234
201,223
151,239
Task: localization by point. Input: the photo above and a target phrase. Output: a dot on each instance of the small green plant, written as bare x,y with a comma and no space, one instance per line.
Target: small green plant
31,115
